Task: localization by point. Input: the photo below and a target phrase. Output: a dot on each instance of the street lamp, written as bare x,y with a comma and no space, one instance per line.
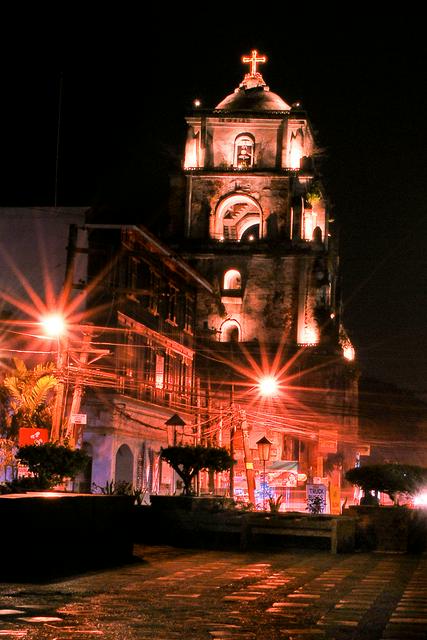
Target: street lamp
54,325
268,386
264,446
171,424
174,422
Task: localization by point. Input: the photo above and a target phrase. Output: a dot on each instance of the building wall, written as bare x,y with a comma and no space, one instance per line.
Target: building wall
143,310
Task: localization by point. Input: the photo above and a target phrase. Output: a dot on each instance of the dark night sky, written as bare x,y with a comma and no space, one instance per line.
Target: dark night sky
362,82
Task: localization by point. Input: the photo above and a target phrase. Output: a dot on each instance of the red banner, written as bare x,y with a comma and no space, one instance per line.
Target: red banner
33,436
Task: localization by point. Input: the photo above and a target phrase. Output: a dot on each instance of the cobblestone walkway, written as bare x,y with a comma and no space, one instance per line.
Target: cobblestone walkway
214,595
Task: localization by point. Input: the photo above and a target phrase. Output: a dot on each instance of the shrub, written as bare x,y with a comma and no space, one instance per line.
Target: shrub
49,464
274,503
391,479
315,505
188,460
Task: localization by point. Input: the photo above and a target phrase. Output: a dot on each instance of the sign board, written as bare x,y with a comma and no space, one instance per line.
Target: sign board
327,445
79,418
335,498
364,449
32,435
316,493
291,480
328,441
23,471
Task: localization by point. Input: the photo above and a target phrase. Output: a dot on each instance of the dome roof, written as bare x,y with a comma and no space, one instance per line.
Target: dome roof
253,99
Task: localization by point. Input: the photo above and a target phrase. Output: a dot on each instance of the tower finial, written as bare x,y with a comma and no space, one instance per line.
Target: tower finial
253,61
253,78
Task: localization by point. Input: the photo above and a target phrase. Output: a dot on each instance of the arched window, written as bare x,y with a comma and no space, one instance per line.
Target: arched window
124,465
232,279
230,331
244,151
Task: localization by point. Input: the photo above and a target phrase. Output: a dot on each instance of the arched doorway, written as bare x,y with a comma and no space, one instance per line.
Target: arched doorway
234,215
124,465
230,331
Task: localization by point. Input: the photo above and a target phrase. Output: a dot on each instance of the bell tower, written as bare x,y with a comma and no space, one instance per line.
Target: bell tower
257,227
252,190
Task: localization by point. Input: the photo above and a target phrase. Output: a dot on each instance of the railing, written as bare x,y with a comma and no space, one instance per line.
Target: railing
232,169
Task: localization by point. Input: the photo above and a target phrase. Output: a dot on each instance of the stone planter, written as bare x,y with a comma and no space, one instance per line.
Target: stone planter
389,529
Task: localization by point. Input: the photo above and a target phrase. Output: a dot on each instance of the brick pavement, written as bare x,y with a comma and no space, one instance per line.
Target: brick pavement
225,595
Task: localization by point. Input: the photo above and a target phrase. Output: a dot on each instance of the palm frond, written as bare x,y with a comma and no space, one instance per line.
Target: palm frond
12,384
38,393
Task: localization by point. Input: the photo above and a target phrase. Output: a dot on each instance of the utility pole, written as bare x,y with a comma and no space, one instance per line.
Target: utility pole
249,465
232,433
58,407
75,430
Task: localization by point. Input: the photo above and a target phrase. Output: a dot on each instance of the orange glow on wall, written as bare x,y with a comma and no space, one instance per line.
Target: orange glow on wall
349,352
191,154
309,224
310,335
295,157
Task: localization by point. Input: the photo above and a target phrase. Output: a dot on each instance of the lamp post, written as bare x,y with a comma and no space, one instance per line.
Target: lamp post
171,424
54,327
174,422
264,446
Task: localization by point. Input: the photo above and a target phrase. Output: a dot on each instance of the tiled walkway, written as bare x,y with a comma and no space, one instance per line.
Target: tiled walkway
206,595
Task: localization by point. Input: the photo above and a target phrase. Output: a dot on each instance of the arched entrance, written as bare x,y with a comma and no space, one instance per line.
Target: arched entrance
230,331
234,215
124,465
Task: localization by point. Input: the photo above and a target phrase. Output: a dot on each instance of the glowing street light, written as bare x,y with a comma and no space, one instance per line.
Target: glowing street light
54,325
268,386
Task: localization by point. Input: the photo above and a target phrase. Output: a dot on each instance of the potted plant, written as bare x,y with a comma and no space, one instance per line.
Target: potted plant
274,503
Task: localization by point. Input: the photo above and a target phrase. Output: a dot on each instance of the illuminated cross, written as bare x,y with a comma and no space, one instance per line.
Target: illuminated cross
253,60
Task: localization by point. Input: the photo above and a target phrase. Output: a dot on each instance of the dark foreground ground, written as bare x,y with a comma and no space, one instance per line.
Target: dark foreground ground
202,595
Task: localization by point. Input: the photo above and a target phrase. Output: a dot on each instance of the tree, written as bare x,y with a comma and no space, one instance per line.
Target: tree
50,463
391,479
27,397
188,460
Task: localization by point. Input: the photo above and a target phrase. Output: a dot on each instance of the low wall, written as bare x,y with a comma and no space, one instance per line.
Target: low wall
180,525
46,534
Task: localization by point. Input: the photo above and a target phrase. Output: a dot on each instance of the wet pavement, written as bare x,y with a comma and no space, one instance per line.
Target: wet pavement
225,595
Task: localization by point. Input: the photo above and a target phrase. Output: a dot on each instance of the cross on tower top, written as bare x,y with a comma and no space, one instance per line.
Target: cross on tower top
253,61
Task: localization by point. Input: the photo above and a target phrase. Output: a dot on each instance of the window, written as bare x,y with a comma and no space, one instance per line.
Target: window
244,151
160,371
172,304
153,299
188,314
232,279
